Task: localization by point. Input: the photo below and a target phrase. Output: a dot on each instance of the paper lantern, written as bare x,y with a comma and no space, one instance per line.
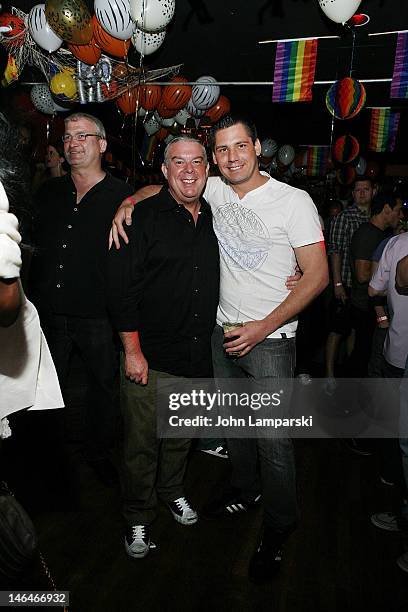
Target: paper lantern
346,175
346,98
346,149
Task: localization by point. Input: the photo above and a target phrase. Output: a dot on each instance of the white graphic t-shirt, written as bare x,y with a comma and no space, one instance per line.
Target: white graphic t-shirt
257,235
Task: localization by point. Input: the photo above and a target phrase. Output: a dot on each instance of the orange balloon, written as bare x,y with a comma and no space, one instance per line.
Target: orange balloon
109,44
176,97
164,111
89,54
150,97
162,133
109,91
127,102
220,108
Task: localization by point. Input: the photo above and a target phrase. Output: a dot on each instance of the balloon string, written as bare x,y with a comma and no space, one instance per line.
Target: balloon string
353,33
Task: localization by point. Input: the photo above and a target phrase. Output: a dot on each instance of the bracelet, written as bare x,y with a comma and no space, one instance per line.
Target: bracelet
338,284
383,318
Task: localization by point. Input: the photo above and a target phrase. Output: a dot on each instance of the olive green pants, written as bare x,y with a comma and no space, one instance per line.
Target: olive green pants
151,467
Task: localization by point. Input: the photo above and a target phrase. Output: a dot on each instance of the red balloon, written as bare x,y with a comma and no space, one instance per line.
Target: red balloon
89,54
220,108
150,97
127,102
176,97
109,44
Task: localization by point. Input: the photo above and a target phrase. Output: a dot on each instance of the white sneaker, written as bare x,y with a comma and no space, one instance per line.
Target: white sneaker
220,451
182,511
305,379
385,520
137,541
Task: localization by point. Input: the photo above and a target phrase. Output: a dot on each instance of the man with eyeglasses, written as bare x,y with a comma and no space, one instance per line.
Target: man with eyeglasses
68,277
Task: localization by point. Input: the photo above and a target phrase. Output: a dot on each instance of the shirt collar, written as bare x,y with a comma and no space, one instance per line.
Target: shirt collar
169,203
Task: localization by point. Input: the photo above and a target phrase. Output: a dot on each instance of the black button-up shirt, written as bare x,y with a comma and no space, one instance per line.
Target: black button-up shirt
165,284
68,270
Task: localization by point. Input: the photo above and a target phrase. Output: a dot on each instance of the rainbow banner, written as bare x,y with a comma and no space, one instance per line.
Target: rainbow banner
295,66
148,148
399,84
383,129
317,160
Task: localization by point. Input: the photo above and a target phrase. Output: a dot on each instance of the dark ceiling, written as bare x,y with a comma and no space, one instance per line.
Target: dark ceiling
220,38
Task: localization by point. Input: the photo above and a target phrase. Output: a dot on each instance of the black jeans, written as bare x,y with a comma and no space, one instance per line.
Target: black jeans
93,339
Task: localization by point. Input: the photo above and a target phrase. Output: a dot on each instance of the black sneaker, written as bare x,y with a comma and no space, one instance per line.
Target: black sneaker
265,563
229,505
137,541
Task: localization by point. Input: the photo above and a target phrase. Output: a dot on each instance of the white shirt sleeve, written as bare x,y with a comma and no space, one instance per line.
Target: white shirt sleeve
303,224
381,278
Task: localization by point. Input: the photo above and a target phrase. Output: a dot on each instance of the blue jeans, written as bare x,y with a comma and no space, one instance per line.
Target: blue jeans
272,358
404,422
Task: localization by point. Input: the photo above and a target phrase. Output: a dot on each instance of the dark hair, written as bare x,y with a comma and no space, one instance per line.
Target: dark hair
58,146
381,199
361,178
230,120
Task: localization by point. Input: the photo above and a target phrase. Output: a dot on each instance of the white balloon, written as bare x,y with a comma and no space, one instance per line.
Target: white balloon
286,154
152,15
193,110
40,30
151,126
182,116
42,99
114,16
361,166
141,112
205,92
269,147
339,11
146,43
166,122
169,138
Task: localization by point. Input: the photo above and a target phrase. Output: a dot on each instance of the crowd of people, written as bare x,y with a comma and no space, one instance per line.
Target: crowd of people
185,258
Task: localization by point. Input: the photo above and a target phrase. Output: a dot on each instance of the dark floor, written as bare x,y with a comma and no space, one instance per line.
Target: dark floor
336,561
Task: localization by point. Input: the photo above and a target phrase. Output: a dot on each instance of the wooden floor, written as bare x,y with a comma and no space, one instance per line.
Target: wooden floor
335,562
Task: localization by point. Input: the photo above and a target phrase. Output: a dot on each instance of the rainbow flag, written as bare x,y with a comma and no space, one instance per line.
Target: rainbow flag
399,84
295,65
383,129
317,160
148,147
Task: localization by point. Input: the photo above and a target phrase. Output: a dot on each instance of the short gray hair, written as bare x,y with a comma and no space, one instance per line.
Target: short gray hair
183,139
100,129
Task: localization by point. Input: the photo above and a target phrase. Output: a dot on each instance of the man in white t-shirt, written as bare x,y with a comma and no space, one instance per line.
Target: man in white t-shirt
264,229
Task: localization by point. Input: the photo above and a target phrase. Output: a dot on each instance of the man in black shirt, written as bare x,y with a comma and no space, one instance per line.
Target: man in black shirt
68,275
386,212
164,297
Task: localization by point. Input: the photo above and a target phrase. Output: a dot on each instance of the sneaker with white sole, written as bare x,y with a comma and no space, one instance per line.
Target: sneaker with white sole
402,562
385,520
230,504
182,511
137,541
220,451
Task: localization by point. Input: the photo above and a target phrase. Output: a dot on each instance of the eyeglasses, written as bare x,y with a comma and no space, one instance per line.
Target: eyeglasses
78,137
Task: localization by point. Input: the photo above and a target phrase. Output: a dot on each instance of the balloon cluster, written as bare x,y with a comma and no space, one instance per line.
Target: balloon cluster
166,109
275,159
82,73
